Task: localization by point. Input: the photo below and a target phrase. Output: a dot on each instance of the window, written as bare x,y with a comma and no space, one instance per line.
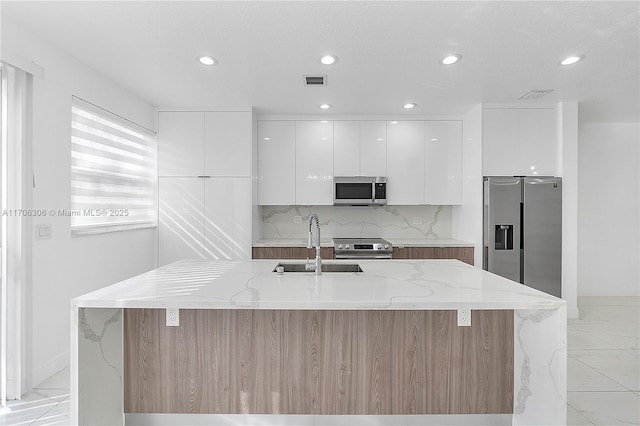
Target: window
113,172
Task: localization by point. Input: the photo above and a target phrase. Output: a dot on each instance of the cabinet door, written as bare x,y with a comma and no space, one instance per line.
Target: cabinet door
180,143
373,148
227,147
181,219
276,163
346,148
227,221
405,162
500,142
443,162
537,149
314,163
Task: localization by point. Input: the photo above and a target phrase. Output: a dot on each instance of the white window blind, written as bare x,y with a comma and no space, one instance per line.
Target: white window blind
113,172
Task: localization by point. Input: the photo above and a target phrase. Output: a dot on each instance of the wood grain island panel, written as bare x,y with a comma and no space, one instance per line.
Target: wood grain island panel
318,362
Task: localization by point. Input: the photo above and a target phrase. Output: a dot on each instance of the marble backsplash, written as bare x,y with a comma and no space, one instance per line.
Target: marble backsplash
410,222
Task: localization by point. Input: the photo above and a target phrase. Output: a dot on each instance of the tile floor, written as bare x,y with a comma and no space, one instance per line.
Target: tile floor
603,371
604,362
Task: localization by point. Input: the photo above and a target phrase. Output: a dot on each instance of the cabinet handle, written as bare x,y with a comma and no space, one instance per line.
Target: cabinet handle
204,177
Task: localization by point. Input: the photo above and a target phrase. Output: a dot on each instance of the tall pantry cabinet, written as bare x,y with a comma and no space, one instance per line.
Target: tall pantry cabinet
205,184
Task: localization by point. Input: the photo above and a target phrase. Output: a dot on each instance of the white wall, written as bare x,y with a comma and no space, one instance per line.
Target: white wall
567,136
608,206
65,267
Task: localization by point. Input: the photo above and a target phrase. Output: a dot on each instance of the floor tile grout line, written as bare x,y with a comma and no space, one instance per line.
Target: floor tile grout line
582,415
45,413
604,374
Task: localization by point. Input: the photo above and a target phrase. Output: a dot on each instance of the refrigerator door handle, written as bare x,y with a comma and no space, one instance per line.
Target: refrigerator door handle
521,226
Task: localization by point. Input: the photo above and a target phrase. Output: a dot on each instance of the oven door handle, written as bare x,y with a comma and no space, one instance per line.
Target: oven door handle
362,257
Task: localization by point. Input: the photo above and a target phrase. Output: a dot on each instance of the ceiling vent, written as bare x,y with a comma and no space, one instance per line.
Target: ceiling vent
315,80
536,93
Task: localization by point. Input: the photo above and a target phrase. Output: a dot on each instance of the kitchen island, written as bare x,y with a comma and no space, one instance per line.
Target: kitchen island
382,346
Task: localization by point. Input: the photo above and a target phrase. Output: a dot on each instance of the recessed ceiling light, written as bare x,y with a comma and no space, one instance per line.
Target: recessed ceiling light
328,60
394,122
571,60
324,121
325,106
207,60
379,139
434,139
410,105
451,59
267,139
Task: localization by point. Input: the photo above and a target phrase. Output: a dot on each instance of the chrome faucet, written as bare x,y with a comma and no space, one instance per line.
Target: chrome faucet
317,266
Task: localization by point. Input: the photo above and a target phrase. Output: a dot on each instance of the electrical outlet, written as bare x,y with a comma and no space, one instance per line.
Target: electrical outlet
297,219
464,317
173,317
417,220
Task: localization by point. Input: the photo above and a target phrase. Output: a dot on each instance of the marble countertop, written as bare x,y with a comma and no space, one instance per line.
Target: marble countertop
400,242
383,284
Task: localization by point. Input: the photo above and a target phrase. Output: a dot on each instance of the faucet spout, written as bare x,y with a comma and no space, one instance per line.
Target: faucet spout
317,266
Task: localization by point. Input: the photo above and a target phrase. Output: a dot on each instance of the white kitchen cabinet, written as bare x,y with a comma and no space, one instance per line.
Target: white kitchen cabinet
202,216
405,162
180,143
519,142
443,162
314,162
373,148
227,143
181,219
346,148
227,219
276,163
537,142
359,148
500,142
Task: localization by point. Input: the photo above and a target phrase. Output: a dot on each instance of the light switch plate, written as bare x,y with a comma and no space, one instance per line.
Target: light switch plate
297,219
43,232
417,220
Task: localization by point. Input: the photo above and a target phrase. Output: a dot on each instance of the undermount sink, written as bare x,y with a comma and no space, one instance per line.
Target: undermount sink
326,267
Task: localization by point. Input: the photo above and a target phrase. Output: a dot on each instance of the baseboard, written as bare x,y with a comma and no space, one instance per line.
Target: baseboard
43,372
573,313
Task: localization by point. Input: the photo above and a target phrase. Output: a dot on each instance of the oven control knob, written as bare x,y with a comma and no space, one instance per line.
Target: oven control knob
379,246
386,246
339,246
347,246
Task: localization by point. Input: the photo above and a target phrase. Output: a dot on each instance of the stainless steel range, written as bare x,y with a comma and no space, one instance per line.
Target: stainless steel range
362,248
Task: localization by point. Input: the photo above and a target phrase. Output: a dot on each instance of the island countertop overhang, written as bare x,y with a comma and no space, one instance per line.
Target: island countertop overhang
384,285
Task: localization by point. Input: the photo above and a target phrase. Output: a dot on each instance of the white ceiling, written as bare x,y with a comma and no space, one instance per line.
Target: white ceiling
388,52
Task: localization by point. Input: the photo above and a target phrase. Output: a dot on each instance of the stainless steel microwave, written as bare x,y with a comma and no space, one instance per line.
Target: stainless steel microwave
359,191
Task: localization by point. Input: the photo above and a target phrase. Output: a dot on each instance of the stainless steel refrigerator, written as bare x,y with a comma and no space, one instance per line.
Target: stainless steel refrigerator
523,230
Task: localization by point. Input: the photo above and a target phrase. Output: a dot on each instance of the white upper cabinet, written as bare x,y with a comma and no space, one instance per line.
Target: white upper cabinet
500,142
314,162
519,142
373,148
180,143
276,163
227,144
443,162
359,148
537,149
346,148
405,162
